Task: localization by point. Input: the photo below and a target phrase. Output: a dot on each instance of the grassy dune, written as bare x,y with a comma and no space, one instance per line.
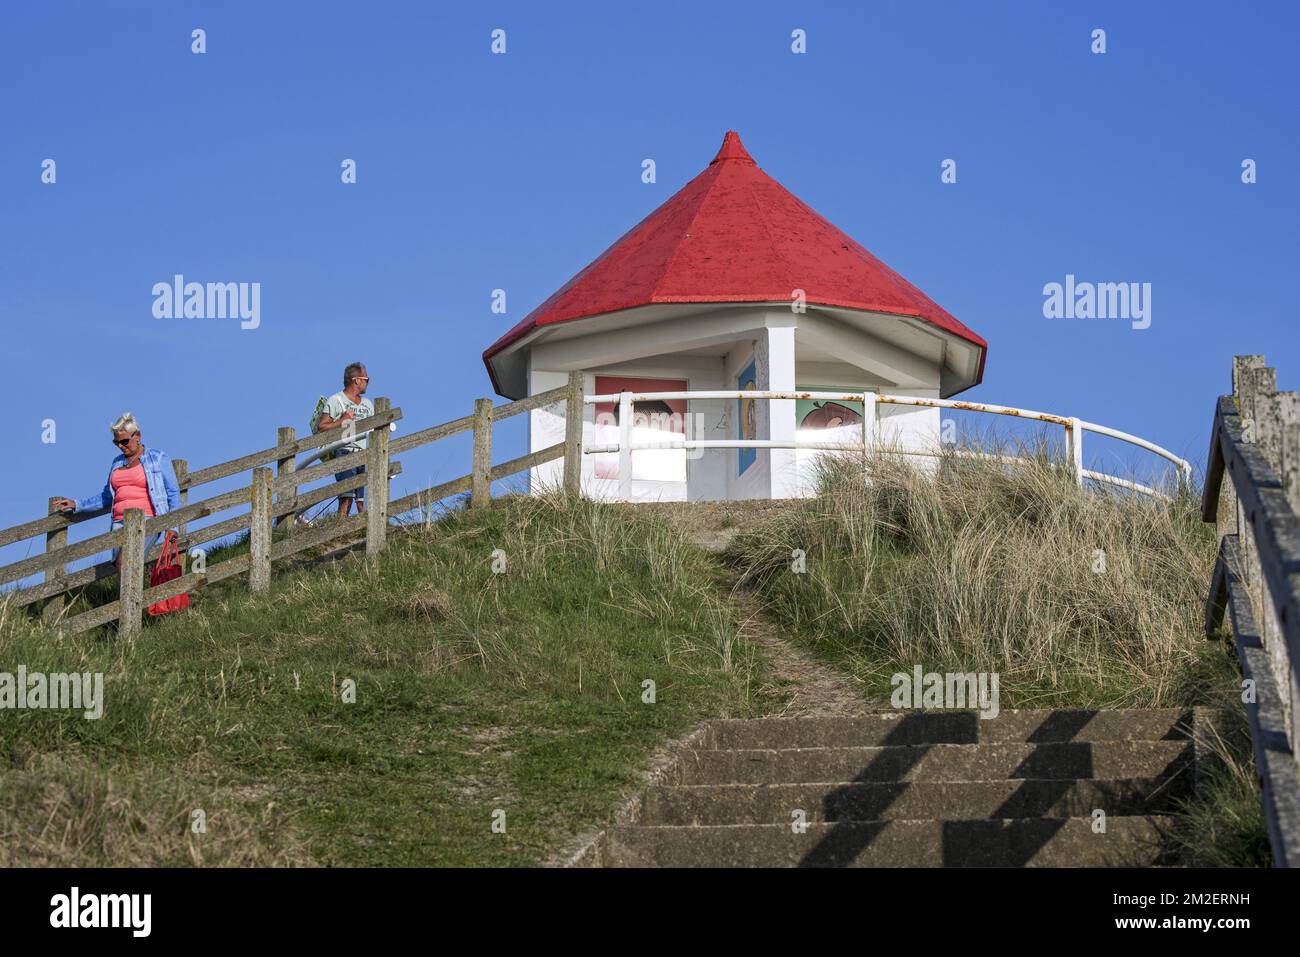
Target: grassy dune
1076,598
476,692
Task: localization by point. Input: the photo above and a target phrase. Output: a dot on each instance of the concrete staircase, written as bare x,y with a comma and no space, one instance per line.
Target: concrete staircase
914,789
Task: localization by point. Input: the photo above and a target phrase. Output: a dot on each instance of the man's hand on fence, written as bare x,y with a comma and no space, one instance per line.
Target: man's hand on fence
65,505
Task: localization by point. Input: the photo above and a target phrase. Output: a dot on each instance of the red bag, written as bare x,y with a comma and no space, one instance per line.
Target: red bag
165,569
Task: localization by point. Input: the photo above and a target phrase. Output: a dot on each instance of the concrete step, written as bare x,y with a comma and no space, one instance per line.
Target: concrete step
952,727
1032,842
718,804
940,762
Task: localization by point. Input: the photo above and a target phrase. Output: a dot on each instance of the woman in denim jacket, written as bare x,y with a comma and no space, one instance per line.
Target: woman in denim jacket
138,478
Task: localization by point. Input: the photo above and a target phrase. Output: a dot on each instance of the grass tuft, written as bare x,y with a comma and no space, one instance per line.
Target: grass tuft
1082,598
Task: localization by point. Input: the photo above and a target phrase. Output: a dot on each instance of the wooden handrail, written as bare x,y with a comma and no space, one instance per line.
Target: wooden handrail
58,586
43,526
275,453
69,553
1255,441
423,437
425,497
528,404
523,462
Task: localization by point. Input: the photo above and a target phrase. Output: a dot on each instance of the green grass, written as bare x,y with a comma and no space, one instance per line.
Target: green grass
521,692
1222,824
1076,599
476,692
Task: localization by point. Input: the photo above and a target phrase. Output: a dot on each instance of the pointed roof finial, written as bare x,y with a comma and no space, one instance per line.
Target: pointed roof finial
733,149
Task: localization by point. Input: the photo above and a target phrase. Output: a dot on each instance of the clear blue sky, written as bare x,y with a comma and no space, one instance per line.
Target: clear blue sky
479,171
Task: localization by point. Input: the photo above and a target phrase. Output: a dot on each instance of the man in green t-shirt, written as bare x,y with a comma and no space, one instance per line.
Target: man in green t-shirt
341,409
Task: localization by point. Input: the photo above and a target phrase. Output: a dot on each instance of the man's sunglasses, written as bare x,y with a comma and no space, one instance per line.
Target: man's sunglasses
123,443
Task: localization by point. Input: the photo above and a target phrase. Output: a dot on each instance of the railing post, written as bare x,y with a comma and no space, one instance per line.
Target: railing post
870,425
259,534
1289,473
625,446
377,484
130,574
1256,382
574,413
1242,378
53,542
1074,446
1226,516
286,435
1286,407
480,487
182,469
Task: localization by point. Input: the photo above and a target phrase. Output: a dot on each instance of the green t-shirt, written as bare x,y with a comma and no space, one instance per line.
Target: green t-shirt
339,403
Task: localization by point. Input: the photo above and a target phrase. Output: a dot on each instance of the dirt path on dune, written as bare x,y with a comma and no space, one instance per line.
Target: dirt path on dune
804,686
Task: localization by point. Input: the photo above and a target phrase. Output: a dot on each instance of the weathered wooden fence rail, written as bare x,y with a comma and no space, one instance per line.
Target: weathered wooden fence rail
1255,442
273,499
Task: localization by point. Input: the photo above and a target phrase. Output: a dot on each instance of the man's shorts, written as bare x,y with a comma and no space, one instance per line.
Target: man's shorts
359,493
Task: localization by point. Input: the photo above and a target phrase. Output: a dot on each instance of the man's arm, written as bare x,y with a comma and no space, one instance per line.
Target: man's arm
326,422
334,415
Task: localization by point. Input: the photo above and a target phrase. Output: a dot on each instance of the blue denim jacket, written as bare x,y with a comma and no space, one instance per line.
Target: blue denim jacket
159,476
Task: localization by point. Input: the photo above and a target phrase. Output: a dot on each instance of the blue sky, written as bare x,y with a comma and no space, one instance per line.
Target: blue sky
478,172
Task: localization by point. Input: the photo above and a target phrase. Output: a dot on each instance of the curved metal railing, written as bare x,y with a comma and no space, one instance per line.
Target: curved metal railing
871,402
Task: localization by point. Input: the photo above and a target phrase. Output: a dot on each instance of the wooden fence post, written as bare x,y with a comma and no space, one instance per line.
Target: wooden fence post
285,435
377,484
1243,386
574,412
259,531
1240,365
1226,522
53,541
1260,381
480,487
130,574
182,469
1289,473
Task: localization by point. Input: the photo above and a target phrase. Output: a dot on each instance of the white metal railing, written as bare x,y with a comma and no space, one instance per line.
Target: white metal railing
871,402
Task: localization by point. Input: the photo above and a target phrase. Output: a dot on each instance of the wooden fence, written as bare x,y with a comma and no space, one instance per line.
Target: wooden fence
272,497
1256,444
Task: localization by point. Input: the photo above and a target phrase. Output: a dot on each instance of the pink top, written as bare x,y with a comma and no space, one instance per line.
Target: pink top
130,490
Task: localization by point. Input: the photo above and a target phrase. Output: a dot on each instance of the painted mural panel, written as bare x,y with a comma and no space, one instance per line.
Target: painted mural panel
815,414
823,420
650,421
747,416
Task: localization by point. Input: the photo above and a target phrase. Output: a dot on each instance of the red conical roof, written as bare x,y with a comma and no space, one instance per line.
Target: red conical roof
734,234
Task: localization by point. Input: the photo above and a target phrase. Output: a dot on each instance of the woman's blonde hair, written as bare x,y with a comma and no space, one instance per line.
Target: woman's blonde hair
126,423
